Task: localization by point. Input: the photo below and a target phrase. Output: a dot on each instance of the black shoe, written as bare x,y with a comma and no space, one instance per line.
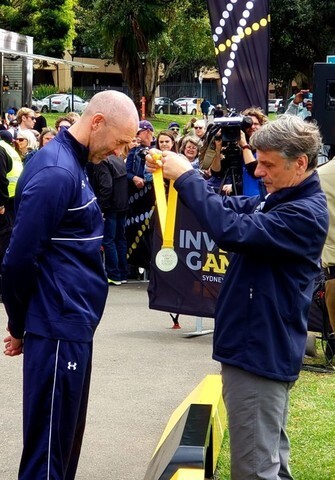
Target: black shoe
330,348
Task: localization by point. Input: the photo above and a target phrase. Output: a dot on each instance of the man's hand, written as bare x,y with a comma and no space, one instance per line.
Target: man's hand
227,189
174,165
138,182
13,346
299,96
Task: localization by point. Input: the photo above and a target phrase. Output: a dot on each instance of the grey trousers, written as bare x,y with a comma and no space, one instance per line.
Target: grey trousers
257,413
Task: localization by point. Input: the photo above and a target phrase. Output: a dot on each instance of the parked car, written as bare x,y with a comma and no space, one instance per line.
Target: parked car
36,103
62,103
166,105
189,105
46,102
274,104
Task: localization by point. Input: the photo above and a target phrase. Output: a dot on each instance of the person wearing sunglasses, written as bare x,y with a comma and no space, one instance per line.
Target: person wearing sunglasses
200,130
40,120
24,145
137,177
26,122
175,129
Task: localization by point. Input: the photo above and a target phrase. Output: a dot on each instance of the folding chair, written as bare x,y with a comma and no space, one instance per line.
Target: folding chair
318,322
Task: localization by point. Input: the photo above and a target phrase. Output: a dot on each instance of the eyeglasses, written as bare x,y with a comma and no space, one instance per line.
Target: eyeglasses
21,139
33,118
198,128
174,129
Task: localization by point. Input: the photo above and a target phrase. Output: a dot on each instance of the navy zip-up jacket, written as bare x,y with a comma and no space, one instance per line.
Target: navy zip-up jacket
262,309
54,283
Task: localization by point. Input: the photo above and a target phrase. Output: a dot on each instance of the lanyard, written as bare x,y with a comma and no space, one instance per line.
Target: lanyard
166,258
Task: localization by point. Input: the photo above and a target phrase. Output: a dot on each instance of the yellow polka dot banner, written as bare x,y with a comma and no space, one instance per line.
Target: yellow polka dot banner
240,30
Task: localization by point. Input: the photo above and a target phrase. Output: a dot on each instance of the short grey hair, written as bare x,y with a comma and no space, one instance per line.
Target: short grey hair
291,137
200,123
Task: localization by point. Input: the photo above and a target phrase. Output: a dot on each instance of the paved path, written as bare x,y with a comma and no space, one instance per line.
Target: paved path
142,371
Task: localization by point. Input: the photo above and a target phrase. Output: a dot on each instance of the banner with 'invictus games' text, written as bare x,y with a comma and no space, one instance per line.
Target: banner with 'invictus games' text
240,30
192,286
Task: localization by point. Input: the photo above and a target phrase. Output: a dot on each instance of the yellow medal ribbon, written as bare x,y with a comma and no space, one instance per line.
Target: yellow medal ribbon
166,259
166,209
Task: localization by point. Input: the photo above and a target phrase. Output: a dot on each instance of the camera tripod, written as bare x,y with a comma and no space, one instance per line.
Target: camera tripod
231,172
233,169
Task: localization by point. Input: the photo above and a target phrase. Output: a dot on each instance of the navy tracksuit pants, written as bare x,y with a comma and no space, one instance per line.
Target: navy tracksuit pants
56,380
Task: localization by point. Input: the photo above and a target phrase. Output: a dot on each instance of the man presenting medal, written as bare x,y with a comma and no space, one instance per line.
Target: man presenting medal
261,313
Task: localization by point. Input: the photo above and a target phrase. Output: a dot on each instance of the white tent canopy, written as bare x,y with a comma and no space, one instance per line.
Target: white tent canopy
33,56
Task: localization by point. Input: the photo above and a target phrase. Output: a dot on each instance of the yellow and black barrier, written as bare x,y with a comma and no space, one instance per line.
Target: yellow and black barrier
191,442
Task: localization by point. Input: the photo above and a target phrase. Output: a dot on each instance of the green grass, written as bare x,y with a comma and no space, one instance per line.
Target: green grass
52,117
311,427
160,122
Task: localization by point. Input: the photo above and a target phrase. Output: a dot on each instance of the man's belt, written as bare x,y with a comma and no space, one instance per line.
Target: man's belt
329,272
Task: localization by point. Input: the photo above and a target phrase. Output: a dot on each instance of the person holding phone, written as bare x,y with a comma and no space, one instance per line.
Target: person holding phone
301,105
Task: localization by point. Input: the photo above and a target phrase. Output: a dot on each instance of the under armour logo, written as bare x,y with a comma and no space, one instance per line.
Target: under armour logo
259,207
83,185
72,366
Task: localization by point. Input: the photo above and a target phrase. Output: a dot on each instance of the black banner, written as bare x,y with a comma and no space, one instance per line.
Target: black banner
138,225
240,31
193,286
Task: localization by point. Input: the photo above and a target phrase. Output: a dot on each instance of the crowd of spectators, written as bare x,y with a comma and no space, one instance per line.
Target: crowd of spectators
228,171
229,168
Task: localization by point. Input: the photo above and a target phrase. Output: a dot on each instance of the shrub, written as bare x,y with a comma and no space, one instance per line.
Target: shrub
43,91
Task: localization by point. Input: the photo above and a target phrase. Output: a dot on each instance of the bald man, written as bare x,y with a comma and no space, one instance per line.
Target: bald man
55,287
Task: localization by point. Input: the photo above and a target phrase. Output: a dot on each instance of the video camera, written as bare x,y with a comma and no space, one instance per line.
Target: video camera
228,129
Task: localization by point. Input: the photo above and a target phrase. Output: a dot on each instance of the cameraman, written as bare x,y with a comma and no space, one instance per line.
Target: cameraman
226,168
262,310
251,184
135,162
245,163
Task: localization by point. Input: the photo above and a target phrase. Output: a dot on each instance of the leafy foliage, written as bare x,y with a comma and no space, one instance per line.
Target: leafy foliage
51,23
176,34
302,33
43,91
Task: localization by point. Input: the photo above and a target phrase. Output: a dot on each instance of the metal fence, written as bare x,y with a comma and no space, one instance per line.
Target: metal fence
172,90
193,89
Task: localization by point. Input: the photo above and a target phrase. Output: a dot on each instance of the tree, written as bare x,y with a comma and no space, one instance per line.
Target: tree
158,28
302,33
50,22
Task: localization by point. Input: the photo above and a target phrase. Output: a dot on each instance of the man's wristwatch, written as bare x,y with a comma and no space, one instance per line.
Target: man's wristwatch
246,147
